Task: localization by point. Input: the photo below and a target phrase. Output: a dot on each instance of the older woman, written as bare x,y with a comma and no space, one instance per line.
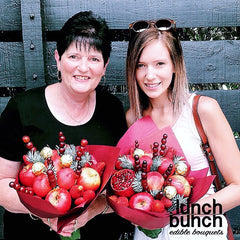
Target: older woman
74,106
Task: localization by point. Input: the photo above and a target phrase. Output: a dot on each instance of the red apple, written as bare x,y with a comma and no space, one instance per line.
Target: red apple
142,200
157,206
89,179
60,198
155,181
27,176
165,162
181,184
66,177
41,185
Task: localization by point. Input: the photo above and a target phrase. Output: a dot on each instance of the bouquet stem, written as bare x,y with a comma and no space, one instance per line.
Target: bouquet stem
151,233
75,235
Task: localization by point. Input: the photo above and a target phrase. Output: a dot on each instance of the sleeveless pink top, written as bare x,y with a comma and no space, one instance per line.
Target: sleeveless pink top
187,135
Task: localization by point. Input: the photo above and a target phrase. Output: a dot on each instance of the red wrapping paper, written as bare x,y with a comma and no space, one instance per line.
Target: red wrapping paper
44,209
146,132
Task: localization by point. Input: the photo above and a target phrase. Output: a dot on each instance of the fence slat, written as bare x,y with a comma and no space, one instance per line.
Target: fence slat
229,102
32,42
187,13
10,15
12,69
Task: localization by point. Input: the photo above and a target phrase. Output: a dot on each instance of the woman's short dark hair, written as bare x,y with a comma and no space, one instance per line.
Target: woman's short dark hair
86,30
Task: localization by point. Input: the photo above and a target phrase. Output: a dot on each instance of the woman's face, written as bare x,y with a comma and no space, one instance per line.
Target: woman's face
155,69
81,69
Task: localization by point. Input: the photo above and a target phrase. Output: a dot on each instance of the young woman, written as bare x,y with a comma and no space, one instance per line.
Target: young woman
158,87
74,106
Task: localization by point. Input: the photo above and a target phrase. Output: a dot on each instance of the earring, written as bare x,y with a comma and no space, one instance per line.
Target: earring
59,77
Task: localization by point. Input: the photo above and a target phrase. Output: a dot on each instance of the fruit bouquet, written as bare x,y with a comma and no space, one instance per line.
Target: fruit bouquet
63,182
152,177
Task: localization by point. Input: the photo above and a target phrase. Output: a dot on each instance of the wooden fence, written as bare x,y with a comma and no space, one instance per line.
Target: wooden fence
28,31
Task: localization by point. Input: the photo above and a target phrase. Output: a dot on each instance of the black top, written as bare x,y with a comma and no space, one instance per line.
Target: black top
28,114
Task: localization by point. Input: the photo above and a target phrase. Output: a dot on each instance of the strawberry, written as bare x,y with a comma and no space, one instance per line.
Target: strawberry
89,195
79,201
190,180
123,201
170,153
114,198
157,206
99,167
26,159
167,202
76,191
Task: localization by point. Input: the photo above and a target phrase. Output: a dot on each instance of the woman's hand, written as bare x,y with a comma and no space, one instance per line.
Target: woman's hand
97,207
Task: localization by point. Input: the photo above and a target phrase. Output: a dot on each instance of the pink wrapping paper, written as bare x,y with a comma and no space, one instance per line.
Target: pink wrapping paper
44,209
146,132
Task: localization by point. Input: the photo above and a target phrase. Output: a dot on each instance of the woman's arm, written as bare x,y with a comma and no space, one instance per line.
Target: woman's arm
225,151
9,198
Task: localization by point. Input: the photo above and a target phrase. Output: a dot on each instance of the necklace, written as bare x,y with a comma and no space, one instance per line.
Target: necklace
65,107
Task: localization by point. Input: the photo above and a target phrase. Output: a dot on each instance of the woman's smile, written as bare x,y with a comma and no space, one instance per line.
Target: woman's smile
152,85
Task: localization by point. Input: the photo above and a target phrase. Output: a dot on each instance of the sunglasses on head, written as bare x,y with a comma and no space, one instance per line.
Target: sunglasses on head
160,24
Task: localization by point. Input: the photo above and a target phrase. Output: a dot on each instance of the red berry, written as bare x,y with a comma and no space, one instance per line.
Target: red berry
155,149
17,186
61,150
29,145
61,144
163,146
12,184
62,138
84,142
161,152
165,135
22,189
79,153
164,141
136,144
26,139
